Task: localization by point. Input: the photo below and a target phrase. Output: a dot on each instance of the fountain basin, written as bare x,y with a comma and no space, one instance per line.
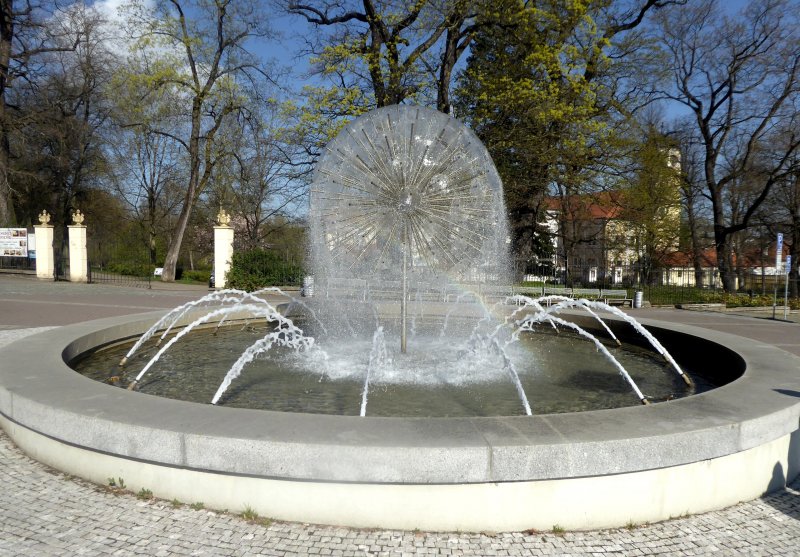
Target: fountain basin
440,376
580,470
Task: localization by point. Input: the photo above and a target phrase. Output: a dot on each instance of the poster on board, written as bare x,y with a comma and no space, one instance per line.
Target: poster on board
13,242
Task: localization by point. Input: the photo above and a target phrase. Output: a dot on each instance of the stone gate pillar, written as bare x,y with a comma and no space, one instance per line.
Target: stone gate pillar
78,259
45,261
223,248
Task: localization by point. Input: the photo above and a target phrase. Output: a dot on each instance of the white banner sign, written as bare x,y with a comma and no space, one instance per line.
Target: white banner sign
13,242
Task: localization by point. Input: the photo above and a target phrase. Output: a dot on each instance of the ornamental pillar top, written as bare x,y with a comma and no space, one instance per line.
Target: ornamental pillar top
223,218
77,217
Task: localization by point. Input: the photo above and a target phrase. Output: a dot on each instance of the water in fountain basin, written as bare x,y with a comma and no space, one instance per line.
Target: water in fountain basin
560,372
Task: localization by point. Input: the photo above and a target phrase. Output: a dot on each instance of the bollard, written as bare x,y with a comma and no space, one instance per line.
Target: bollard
308,286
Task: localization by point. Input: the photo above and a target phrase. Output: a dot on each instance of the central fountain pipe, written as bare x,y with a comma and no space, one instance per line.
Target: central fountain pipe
404,293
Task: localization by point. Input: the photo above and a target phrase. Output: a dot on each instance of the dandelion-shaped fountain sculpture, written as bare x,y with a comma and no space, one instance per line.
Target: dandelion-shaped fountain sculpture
410,191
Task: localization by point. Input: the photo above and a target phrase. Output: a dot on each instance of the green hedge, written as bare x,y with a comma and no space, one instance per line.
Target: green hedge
254,269
131,269
664,295
196,276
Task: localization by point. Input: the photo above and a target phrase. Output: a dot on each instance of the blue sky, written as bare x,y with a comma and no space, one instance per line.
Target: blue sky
285,48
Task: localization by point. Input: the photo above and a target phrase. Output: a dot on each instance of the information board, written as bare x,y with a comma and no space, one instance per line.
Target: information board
13,242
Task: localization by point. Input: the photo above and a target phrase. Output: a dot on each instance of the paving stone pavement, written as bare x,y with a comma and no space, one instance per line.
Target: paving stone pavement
43,513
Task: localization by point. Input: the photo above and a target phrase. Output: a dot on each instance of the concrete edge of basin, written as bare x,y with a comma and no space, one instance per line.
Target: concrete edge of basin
583,470
40,392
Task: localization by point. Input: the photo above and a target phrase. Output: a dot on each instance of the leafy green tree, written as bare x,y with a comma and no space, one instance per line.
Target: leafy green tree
696,232
652,199
544,88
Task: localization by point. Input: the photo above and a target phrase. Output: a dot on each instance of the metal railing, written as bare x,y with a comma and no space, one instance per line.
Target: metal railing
669,285
18,264
119,261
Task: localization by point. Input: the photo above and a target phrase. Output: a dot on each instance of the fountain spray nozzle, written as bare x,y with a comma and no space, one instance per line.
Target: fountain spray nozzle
123,361
132,385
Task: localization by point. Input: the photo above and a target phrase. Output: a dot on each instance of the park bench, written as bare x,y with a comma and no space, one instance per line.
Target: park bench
425,292
556,291
385,290
586,293
616,297
461,293
529,291
495,293
346,288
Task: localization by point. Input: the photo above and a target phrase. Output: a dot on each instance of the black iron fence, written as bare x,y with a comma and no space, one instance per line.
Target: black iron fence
118,260
61,262
672,285
18,264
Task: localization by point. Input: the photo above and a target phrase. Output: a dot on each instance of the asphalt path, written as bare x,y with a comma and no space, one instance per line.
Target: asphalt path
43,512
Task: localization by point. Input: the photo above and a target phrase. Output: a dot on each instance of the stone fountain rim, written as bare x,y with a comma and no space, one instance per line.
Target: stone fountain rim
41,393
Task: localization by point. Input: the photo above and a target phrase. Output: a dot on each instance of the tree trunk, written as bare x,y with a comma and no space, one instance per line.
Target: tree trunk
174,250
151,226
449,59
727,274
794,252
7,216
151,246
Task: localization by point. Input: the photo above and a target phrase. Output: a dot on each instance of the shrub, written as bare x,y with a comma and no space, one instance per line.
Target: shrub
131,269
196,276
257,268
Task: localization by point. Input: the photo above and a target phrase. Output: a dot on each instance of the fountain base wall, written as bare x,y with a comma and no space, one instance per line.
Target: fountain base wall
573,503
584,470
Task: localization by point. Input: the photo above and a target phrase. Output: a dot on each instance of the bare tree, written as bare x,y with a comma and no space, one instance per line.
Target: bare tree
265,186
28,30
789,198
740,78
60,118
147,173
201,57
781,213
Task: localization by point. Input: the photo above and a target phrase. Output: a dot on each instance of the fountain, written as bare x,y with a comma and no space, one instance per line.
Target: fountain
410,193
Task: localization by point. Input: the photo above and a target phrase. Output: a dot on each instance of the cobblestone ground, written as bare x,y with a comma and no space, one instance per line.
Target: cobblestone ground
44,513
